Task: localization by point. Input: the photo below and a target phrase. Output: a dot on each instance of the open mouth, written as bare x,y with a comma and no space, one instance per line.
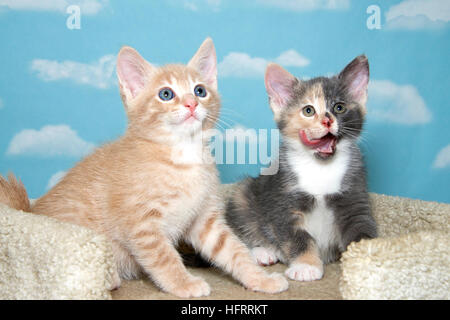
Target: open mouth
325,146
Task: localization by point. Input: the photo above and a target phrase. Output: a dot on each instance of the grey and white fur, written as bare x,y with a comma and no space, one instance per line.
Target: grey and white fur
307,213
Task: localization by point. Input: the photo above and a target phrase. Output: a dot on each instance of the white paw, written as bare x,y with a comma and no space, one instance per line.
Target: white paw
263,256
115,281
304,272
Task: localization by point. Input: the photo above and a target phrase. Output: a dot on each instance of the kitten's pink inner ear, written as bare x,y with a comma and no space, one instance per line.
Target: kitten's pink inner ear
279,84
358,87
205,62
132,71
356,78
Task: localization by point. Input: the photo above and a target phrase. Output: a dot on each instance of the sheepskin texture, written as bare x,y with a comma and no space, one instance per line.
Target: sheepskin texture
42,258
410,259
412,266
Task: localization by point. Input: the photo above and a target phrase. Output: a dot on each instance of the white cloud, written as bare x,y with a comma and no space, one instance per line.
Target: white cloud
397,103
292,58
99,74
295,5
190,5
54,179
307,5
241,65
443,158
89,7
196,5
418,14
51,140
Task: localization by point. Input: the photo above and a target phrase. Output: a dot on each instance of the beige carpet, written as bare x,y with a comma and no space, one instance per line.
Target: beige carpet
225,288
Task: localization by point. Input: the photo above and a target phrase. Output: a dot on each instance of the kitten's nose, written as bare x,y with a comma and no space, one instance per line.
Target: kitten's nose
327,122
190,102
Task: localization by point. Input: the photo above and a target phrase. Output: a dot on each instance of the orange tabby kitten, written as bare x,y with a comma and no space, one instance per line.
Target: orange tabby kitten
150,188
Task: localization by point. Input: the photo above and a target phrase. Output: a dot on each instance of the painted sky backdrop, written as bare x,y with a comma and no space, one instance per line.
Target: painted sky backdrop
59,96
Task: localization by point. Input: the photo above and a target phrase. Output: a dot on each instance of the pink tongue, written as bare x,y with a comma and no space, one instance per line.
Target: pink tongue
326,146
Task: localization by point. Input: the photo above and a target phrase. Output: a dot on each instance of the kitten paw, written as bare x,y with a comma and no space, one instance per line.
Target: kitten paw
273,283
115,281
263,256
192,288
304,272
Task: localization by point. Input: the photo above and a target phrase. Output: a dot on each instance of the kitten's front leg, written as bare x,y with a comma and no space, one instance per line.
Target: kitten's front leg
212,237
307,266
303,257
353,217
156,254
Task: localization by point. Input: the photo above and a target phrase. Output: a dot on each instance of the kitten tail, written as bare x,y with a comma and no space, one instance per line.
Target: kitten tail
13,193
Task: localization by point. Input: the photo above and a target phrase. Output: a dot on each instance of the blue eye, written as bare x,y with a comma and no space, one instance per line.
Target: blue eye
166,94
200,91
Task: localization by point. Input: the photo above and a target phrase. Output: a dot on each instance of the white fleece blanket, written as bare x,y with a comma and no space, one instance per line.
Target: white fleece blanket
42,258
410,260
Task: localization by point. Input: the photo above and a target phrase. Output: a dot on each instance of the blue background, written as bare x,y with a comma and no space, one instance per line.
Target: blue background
407,128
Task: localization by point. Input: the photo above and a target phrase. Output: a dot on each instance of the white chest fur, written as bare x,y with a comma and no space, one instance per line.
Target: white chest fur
320,225
189,150
320,178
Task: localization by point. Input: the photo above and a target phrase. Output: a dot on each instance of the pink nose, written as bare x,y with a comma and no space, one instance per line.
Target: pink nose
190,102
327,122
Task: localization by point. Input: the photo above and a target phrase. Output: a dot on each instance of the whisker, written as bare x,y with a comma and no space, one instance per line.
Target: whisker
233,111
219,122
231,122
224,122
228,117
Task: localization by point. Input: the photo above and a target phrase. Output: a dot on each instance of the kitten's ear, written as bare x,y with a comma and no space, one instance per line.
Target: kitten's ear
133,73
279,87
205,62
355,79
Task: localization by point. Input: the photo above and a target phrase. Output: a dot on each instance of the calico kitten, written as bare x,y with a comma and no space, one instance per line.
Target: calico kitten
147,190
317,203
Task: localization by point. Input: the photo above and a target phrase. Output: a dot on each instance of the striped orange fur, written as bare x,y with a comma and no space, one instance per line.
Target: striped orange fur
139,191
